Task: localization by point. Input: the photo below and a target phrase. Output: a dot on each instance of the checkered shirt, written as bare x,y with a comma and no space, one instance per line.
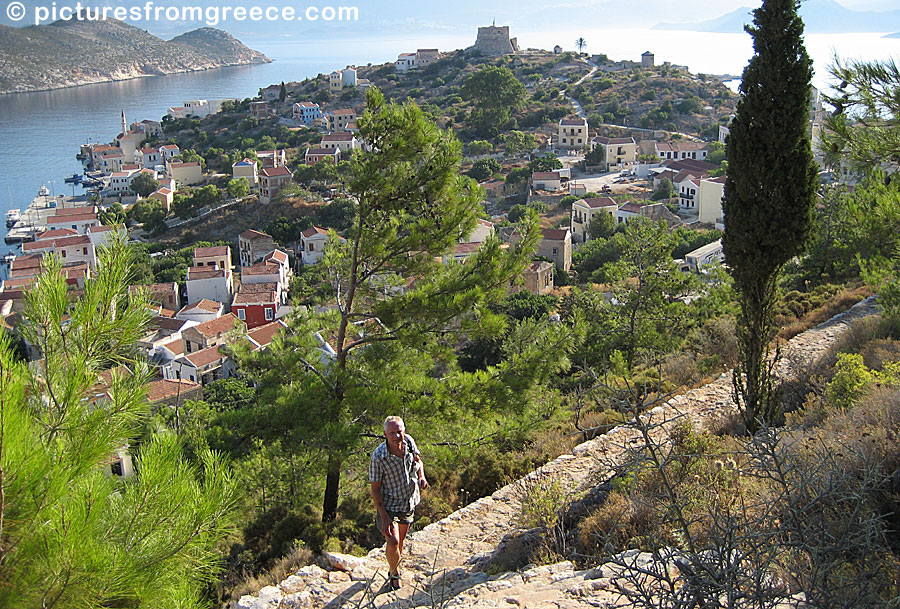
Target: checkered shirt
398,476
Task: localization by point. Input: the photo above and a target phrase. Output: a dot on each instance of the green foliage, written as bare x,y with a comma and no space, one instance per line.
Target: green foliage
238,188
517,142
112,215
665,190
592,256
545,162
647,309
518,175
525,305
483,169
494,92
412,207
851,378
478,147
95,540
769,190
602,226
150,213
143,184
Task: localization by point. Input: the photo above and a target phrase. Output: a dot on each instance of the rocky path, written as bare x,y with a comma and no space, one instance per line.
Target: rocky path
449,564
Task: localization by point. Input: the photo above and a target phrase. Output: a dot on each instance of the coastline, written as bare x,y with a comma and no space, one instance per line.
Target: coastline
132,77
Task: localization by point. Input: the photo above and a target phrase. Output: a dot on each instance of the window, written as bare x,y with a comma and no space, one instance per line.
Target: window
85,251
63,253
242,314
199,264
312,247
555,251
270,313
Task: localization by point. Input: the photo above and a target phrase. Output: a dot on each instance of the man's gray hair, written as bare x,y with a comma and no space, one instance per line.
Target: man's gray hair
393,419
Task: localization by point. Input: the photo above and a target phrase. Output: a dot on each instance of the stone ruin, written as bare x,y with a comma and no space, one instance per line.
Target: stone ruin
494,40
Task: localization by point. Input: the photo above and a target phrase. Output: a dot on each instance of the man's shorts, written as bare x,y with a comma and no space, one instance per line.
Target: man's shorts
398,517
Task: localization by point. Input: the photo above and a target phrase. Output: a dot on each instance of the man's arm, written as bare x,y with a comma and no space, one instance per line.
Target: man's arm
420,467
378,499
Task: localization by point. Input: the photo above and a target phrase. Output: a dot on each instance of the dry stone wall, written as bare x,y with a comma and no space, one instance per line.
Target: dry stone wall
448,563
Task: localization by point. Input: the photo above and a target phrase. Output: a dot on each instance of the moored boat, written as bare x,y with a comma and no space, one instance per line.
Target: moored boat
12,216
75,178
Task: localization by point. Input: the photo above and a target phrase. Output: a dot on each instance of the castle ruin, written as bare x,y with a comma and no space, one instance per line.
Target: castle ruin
494,40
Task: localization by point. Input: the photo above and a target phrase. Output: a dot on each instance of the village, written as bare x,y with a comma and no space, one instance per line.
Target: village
195,318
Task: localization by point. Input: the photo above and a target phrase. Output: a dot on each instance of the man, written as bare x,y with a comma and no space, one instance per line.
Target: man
396,473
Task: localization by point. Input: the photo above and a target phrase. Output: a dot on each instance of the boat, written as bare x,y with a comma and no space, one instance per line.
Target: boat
43,191
9,258
12,216
75,178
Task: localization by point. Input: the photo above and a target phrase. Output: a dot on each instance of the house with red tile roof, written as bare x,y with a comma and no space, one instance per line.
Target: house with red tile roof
262,336
617,152
73,249
271,180
556,244
204,366
201,311
217,256
169,392
584,211
209,333
318,154
546,180
680,150
343,141
165,294
253,245
312,244
185,173
211,283
255,308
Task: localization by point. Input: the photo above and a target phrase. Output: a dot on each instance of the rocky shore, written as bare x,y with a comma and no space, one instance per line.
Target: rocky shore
71,53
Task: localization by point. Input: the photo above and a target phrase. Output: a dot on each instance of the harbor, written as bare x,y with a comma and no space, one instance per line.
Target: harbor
34,218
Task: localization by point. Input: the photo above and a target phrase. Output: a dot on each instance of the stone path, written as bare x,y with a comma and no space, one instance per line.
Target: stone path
448,563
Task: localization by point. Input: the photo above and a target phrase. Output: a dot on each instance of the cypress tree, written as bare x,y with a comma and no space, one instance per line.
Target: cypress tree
769,192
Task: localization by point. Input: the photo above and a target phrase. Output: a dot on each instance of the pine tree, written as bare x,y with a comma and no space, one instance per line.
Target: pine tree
71,534
769,191
333,376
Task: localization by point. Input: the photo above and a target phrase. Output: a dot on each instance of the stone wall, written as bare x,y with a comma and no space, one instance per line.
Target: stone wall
494,40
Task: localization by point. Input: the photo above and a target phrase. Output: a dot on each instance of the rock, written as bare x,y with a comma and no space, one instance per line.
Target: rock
310,572
344,562
338,577
292,584
297,600
251,602
270,594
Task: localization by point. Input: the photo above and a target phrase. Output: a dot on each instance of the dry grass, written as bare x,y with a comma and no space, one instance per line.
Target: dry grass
283,567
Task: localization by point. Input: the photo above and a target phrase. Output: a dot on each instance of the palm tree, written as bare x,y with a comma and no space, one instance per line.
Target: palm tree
580,44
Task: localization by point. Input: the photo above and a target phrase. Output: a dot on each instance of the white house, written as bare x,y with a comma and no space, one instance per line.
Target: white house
682,150
211,283
709,208
312,244
201,311
573,133
344,142
546,180
707,254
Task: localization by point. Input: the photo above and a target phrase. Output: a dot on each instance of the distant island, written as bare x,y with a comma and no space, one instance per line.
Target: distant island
70,53
819,17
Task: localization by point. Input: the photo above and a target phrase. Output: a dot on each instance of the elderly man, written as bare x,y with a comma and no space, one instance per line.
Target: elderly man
396,473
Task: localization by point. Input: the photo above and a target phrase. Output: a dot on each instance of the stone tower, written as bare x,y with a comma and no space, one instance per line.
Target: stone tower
495,40
647,59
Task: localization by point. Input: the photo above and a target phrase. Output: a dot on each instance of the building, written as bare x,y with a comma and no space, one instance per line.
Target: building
584,211
217,256
271,158
681,150
246,168
546,180
341,120
172,392
166,295
538,277
185,173
271,93
345,142
79,219
211,283
339,79
209,333
573,133
419,59
306,112
164,196
647,59
556,244
271,180
482,231
687,187
316,155
312,244
73,249
617,151
709,207
169,151
253,245
259,109
255,307
704,255
201,311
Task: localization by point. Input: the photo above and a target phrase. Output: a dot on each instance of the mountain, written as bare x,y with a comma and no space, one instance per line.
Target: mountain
69,53
819,16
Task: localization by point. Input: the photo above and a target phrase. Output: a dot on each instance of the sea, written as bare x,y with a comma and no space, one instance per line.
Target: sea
40,133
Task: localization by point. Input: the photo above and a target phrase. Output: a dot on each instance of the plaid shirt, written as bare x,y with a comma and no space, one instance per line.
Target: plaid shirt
398,476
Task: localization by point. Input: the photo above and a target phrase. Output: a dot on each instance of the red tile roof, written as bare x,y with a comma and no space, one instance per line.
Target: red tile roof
277,255
254,298
205,357
263,335
544,175
164,389
597,202
204,272
260,269
554,234
251,234
55,233
271,172
217,326
256,288
573,122
203,304
613,140
215,250
314,230
338,137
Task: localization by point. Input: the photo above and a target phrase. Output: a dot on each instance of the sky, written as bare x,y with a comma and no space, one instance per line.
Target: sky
396,17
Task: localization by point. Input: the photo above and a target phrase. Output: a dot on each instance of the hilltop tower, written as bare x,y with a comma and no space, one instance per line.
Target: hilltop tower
495,40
